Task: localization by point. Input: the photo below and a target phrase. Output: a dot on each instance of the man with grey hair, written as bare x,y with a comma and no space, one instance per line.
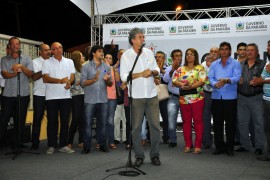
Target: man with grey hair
144,94
207,110
250,101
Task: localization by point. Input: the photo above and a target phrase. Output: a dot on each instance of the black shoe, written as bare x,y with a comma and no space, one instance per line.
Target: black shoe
172,145
241,149
258,152
34,147
125,142
218,151
85,151
116,142
230,153
263,158
23,146
138,162
103,149
207,147
155,161
165,140
237,143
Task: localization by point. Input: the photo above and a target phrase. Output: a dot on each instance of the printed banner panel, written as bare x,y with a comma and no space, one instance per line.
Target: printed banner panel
200,34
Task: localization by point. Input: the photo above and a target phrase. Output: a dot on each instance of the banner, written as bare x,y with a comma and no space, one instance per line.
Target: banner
201,34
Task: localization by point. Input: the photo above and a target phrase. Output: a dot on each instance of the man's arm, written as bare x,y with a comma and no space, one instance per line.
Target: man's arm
88,82
26,71
37,75
167,77
48,79
145,74
7,75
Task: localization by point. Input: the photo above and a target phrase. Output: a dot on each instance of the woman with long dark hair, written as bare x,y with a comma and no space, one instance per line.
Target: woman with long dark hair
190,78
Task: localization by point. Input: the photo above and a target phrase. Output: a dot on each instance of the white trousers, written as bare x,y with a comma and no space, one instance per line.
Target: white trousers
119,115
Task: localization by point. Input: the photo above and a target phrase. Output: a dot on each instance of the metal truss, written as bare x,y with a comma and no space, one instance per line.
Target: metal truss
214,13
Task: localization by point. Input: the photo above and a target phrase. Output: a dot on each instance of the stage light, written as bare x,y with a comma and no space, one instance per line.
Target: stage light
178,9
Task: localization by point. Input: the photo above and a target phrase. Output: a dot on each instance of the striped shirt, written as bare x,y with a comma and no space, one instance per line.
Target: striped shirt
266,86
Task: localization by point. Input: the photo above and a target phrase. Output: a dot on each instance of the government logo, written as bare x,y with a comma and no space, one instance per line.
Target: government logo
205,27
172,29
113,32
240,26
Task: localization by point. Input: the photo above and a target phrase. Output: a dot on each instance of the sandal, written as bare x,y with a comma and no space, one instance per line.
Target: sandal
113,146
97,146
187,150
197,151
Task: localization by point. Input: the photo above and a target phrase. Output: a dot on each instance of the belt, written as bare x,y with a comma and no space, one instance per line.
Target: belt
174,94
249,95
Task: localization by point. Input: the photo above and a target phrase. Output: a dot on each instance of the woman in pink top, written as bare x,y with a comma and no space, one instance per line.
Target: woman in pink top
112,102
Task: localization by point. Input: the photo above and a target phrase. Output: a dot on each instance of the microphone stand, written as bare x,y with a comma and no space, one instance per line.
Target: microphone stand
18,150
129,163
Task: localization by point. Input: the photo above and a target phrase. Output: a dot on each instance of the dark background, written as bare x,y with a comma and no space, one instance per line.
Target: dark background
62,21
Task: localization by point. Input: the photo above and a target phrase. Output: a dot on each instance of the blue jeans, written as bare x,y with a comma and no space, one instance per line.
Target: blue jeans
100,109
173,107
112,103
144,129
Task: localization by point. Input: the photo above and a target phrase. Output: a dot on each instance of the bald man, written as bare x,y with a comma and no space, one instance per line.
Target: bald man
207,136
58,74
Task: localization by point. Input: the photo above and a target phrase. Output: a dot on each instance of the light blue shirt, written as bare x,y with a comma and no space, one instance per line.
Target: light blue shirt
231,70
11,84
96,92
266,86
171,88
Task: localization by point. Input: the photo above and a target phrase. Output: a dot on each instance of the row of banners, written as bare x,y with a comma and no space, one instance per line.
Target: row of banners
201,34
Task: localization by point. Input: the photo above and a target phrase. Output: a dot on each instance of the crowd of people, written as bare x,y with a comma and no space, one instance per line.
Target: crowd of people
234,93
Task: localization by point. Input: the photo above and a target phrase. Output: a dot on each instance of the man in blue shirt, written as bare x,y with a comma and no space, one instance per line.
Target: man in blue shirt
224,75
173,105
95,79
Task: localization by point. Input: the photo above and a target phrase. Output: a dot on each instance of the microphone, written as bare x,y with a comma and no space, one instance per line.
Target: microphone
143,44
19,51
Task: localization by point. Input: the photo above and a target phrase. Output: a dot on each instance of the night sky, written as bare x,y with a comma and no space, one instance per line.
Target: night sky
61,20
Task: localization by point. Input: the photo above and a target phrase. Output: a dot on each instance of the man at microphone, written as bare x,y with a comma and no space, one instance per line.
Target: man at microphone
11,65
143,94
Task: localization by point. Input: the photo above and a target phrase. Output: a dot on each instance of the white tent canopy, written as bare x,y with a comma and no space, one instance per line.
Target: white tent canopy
106,6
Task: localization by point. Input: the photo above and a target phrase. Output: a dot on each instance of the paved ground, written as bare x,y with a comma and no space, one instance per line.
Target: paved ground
175,165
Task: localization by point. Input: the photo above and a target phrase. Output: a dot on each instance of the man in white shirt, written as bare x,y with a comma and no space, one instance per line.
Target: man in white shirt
207,110
39,93
58,74
143,93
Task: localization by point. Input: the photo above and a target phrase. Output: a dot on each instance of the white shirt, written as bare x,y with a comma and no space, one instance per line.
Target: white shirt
58,69
141,87
39,85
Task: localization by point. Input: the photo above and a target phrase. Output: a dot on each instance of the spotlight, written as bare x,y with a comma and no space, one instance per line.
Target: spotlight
178,9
